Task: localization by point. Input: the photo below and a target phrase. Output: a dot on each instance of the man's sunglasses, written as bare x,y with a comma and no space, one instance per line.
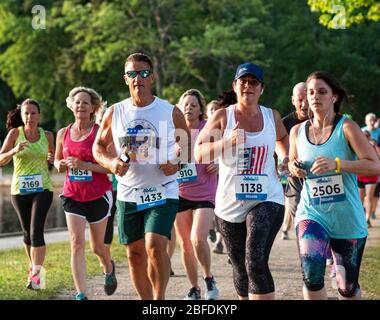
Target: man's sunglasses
143,74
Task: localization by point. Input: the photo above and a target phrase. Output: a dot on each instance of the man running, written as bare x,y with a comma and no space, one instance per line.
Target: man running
147,195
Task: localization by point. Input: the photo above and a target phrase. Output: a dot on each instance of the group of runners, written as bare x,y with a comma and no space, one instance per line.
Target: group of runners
176,170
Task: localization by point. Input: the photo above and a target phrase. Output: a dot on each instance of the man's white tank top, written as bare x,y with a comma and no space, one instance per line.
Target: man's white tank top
148,134
258,150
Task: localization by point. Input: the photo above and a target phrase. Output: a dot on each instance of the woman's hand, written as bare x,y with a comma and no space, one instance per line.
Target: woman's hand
296,170
20,146
322,165
50,157
238,136
75,163
62,166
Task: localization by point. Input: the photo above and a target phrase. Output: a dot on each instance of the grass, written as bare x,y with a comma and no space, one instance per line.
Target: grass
370,272
14,265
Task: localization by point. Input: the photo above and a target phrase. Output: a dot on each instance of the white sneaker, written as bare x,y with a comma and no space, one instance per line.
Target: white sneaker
211,291
329,261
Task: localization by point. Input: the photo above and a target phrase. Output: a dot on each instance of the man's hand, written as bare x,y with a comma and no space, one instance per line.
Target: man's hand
169,169
119,167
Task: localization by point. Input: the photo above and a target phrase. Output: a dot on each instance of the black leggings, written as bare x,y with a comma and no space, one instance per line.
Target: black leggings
32,210
249,244
108,237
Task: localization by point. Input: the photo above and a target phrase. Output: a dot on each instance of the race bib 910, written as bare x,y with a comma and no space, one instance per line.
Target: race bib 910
188,173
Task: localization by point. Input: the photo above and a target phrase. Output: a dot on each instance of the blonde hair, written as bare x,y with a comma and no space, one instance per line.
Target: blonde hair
200,98
96,99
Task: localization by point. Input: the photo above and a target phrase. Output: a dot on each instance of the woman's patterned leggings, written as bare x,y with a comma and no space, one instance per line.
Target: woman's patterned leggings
314,247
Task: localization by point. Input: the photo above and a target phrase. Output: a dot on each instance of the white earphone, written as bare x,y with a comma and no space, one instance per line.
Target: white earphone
262,90
334,100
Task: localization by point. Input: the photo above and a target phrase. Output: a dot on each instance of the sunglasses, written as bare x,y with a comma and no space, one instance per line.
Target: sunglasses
251,82
143,74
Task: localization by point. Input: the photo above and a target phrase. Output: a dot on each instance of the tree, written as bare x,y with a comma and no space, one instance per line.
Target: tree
339,14
193,44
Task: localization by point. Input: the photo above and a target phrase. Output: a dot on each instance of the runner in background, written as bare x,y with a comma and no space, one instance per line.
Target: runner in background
214,234
108,237
293,185
372,126
31,148
87,191
367,187
196,204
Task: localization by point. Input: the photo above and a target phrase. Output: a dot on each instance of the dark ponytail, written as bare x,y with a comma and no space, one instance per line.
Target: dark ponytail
14,119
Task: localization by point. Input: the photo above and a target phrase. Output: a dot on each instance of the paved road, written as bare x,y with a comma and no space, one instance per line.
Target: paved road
284,264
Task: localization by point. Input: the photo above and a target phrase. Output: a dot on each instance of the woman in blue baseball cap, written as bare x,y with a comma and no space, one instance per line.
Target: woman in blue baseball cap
250,202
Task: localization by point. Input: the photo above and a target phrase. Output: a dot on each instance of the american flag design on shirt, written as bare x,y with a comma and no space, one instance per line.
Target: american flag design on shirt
252,160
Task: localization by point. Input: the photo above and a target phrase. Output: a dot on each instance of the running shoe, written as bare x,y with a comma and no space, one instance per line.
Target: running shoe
211,291
373,215
194,294
172,274
218,248
110,281
212,235
34,281
329,261
81,296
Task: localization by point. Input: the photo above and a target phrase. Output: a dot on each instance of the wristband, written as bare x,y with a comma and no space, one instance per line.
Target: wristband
337,161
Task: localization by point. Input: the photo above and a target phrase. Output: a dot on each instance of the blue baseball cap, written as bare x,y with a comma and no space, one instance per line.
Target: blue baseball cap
249,68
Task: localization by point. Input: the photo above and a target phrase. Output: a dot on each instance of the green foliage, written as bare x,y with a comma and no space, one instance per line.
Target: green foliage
338,14
193,44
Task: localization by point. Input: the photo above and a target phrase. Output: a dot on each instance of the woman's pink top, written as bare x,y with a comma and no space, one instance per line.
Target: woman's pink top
87,190
204,188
